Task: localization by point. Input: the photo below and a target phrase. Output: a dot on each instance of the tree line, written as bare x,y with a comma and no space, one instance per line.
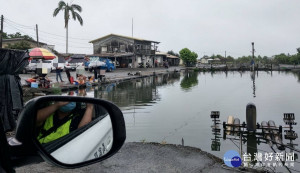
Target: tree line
190,58
22,45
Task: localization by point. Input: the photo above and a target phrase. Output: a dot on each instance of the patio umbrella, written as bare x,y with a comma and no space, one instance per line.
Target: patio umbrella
41,53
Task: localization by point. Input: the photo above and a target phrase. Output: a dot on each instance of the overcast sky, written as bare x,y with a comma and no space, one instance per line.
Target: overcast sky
204,26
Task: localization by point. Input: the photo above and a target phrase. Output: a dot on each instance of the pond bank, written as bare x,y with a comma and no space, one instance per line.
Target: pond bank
113,77
147,157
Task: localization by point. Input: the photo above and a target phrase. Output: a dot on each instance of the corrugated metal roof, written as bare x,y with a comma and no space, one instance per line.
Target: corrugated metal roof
166,54
171,56
133,38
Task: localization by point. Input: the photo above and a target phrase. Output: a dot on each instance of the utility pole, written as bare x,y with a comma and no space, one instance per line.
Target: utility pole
1,32
37,35
225,54
253,50
154,57
132,27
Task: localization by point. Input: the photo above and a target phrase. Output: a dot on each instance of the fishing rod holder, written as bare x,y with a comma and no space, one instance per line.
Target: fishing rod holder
259,129
266,132
215,145
289,119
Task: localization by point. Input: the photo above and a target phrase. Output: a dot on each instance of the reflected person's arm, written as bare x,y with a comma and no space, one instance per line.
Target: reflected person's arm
44,113
87,117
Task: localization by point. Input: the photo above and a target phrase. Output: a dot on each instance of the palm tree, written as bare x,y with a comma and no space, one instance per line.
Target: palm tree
62,6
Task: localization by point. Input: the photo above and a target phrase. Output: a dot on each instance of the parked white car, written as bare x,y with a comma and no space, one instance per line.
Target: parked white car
33,65
74,63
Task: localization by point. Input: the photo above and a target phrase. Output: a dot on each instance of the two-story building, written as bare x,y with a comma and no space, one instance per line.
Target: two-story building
128,51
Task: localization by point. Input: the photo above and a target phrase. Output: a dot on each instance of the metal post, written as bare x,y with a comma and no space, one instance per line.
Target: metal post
253,55
241,145
1,32
132,28
154,57
37,35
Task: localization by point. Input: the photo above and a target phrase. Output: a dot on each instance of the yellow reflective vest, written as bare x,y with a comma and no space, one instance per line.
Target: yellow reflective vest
61,131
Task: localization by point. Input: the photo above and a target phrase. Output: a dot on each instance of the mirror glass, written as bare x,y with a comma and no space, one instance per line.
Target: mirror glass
73,132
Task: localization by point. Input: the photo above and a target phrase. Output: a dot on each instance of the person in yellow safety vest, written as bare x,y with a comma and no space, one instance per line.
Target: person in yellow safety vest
58,120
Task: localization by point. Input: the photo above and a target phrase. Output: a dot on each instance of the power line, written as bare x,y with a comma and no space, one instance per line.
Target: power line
25,26
10,26
15,24
51,37
63,36
62,44
14,27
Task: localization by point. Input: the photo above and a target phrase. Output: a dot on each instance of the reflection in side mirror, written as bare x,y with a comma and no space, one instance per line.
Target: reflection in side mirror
74,132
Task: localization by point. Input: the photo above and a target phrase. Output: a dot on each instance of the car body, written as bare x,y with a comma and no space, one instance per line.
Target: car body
73,63
109,64
101,138
95,62
33,65
102,63
48,64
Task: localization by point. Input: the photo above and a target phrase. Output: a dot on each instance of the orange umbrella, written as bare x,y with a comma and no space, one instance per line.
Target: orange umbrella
41,53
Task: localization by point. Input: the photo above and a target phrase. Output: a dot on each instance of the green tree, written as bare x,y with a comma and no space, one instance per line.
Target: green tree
229,59
188,57
16,35
171,52
23,45
72,8
4,35
281,59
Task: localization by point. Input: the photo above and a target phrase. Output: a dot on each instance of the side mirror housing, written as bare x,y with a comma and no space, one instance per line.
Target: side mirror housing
90,131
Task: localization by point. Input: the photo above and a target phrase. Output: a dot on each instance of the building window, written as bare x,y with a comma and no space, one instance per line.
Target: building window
104,49
122,48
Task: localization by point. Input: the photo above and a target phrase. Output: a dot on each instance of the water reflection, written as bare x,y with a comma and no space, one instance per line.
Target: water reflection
253,82
190,80
297,75
140,92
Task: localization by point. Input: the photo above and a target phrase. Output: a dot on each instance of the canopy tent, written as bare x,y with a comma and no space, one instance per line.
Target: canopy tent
12,62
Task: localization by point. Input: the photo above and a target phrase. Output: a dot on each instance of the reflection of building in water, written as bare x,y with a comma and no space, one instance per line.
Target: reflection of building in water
140,91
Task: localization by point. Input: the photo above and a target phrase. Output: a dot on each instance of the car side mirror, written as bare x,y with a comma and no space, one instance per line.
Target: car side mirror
70,131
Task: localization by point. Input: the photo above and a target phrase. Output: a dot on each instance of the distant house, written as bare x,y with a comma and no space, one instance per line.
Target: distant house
205,60
32,43
162,56
128,51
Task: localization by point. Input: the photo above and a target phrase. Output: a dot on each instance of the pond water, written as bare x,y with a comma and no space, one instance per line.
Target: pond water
176,107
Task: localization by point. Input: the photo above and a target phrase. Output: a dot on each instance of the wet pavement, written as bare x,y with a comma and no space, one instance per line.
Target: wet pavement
147,157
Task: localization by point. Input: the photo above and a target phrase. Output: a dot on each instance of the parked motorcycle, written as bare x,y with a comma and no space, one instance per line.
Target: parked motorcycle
148,65
141,65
